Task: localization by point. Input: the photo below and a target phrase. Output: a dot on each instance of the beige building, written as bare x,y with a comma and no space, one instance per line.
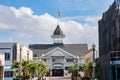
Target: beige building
88,56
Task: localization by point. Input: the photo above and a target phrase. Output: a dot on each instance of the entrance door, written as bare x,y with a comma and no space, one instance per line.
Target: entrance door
57,72
115,72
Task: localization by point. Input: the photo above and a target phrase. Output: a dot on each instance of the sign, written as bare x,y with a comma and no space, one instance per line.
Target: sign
94,64
0,62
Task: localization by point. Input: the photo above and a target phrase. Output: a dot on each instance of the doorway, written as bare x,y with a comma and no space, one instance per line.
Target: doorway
57,72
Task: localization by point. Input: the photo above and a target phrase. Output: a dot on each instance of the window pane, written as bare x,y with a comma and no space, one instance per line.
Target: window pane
7,56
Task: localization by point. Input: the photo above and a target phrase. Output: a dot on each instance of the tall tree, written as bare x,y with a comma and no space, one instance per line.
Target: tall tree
73,71
28,68
87,68
15,66
42,70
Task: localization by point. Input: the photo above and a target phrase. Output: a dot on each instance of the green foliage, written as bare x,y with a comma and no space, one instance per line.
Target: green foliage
87,67
33,68
15,67
73,71
42,69
29,69
97,69
23,76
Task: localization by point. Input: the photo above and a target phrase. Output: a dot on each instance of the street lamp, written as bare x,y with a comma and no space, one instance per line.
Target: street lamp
94,63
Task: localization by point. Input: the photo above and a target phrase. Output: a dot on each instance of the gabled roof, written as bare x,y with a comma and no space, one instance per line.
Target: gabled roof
75,49
58,33
60,52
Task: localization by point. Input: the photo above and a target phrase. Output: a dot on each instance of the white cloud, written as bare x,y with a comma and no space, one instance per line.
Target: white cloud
21,11
28,28
92,19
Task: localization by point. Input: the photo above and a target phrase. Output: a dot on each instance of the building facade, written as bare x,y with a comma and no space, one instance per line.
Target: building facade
12,53
88,56
58,56
109,43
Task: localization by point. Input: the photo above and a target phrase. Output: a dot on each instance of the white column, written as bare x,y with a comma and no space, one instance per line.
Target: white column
64,66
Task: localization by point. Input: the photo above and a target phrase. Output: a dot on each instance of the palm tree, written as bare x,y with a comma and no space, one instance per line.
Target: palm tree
87,68
42,70
25,67
28,68
32,69
73,71
15,66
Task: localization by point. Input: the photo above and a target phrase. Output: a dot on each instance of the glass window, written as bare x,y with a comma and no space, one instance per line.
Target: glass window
66,68
70,60
34,55
8,74
7,56
53,60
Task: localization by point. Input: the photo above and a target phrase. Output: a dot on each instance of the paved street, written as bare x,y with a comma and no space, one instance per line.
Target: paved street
58,78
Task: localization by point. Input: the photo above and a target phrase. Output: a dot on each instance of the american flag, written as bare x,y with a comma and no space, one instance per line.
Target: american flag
59,15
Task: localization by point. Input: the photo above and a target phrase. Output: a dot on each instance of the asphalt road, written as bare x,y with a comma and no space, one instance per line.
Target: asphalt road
58,78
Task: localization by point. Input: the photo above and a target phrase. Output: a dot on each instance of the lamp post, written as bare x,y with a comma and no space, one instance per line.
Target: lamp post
77,67
27,55
94,63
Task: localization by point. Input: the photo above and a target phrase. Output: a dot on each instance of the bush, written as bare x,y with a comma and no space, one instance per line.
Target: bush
23,77
19,76
26,77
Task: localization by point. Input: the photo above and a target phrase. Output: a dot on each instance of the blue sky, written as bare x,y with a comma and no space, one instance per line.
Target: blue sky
67,7
33,21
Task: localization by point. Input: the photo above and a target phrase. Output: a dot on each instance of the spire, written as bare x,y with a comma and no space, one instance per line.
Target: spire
117,3
58,36
58,33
